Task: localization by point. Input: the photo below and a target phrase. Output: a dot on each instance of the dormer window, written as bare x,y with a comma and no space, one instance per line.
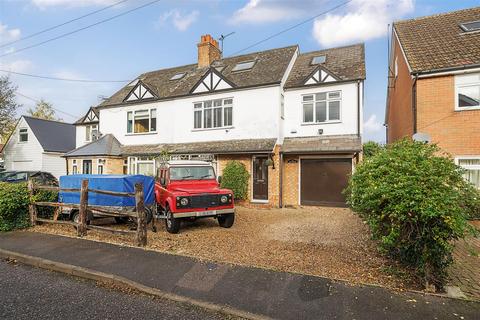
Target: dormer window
318,60
178,76
243,66
470,26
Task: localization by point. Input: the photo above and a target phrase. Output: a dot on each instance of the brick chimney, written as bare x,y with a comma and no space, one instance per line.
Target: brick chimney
208,51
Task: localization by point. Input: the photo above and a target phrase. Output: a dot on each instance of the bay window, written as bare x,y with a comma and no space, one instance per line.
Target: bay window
142,121
141,165
472,167
213,114
321,107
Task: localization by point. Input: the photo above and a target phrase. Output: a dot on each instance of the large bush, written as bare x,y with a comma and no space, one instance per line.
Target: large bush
235,177
14,201
416,203
371,148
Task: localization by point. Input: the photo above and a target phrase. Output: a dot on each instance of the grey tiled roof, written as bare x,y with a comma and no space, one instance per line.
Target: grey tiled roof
107,145
346,63
215,147
438,42
269,68
322,144
53,136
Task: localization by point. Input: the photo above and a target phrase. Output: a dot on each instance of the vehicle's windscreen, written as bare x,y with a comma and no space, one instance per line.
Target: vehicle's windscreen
5,174
191,173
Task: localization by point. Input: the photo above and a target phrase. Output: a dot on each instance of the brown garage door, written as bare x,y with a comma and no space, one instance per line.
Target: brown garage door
323,180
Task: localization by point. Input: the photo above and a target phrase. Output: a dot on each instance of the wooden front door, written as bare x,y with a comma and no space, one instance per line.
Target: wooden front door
260,178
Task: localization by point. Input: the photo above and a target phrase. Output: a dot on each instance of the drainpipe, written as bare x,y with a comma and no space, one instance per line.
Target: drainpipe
414,103
358,108
280,196
66,161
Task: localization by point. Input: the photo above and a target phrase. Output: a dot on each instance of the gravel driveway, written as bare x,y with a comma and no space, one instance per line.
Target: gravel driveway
330,242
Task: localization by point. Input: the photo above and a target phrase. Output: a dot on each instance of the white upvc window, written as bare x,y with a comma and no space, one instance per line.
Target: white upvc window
142,121
467,92
23,135
91,132
141,165
74,167
323,107
100,166
212,114
472,166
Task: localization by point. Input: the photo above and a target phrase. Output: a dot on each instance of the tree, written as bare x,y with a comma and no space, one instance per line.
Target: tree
43,110
8,108
416,202
235,177
371,148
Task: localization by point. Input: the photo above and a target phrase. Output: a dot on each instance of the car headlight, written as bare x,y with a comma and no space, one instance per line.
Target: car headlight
223,199
184,201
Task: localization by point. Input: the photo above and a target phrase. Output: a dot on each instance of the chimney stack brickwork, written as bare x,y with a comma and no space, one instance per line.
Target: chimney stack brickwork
208,51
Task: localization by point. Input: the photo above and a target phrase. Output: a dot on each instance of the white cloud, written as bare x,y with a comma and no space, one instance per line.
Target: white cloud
16,65
372,124
264,11
363,20
71,3
181,21
8,35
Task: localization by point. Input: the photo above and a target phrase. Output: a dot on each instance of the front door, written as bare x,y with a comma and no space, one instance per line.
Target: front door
260,178
87,166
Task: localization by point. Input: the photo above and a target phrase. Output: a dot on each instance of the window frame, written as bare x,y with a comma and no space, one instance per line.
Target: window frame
149,111
457,87
213,108
468,167
133,163
327,111
20,133
89,137
253,62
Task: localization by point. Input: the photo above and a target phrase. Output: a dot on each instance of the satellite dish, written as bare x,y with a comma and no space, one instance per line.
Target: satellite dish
422,137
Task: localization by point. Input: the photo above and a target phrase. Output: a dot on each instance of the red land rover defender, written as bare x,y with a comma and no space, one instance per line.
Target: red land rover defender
189,190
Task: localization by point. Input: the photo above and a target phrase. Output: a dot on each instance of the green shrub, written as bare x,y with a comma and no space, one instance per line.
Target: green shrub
371,148
235,177
14,201
416,203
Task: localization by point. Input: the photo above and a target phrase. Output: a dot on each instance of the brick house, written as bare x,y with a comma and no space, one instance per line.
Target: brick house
294,119
434,84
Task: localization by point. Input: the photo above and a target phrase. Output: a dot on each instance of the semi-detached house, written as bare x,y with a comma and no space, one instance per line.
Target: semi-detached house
294,119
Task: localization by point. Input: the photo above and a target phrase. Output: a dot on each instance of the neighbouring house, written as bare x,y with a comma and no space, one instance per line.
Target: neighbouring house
294,119
434,85
38,144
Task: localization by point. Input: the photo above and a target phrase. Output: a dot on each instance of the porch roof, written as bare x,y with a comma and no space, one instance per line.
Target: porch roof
323,144
214,147
107,145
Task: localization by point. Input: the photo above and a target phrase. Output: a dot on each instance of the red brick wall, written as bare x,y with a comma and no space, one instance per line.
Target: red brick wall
457,132
400,114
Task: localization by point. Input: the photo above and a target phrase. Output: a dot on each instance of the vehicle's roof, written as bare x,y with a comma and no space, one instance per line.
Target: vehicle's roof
188,163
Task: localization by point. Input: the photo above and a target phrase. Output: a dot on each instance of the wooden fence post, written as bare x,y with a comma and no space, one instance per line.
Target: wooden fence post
32,208
141,236
82,225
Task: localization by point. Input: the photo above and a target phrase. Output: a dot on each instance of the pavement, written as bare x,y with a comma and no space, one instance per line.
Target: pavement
258,292
32,293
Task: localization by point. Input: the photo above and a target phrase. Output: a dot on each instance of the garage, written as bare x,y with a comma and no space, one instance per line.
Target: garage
323,180
26,165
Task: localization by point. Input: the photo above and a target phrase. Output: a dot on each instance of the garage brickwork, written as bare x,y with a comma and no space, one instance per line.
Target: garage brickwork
290,180
456,132
111,166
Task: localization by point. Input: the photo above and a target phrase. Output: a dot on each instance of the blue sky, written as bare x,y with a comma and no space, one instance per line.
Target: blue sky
165,34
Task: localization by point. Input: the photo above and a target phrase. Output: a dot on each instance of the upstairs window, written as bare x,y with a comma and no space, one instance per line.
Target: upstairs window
91,132
322,107
467,91
23,135
142,121
213,114
470,26
242,66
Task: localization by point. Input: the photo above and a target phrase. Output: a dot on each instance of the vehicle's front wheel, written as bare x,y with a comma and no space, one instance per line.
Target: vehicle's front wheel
171,224
226,220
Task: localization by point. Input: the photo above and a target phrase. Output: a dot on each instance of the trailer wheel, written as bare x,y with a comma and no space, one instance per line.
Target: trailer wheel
121,220
171,224
226,220
75,217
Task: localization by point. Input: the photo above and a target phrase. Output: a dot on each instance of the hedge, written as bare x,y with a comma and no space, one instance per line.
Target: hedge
416,203
235,177
14,201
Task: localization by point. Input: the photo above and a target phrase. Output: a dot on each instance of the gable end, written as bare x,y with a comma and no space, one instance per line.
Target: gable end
140,92
321,75
212,80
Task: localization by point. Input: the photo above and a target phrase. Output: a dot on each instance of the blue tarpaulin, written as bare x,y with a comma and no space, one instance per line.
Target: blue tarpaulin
120,183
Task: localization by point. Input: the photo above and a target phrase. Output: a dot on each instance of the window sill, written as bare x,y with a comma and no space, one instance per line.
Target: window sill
210,129
319,123
141,133
466,108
